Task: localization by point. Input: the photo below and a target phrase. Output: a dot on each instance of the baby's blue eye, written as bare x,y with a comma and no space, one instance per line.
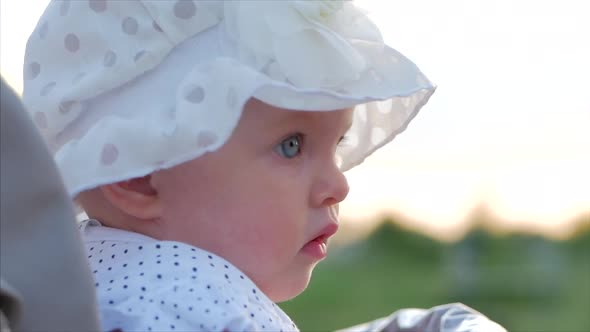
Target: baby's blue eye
290,147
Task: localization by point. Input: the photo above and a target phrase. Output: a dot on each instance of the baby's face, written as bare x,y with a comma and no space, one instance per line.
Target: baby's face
266,200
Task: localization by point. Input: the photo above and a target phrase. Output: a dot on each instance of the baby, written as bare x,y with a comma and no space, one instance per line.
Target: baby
206,141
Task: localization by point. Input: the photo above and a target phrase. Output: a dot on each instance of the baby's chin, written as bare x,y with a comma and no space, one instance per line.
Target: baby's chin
288,288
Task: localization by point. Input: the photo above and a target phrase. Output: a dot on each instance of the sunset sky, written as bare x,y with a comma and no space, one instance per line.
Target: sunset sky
508,127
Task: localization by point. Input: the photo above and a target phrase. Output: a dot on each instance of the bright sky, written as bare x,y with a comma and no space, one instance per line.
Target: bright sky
509,125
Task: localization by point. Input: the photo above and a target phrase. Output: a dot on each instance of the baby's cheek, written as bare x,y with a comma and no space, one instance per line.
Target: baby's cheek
271,236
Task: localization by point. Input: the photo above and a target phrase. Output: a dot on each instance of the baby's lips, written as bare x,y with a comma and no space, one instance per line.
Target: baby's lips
326,232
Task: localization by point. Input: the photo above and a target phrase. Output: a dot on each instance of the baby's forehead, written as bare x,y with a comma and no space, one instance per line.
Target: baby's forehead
265,115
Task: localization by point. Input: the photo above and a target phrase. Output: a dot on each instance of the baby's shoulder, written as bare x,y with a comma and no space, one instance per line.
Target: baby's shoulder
164,285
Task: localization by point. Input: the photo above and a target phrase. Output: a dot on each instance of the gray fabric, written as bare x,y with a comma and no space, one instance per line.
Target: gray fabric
4,327
453,317
41,255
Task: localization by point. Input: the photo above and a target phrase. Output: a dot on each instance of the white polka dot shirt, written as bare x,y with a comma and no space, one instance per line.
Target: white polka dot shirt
143,284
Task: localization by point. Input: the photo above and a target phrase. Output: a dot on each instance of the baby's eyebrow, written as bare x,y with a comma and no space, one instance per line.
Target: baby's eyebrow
282,118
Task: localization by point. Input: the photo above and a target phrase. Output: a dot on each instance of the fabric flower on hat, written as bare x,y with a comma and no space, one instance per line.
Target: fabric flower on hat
290,35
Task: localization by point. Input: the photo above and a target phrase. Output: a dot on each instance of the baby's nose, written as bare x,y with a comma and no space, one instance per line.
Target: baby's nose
331,188
341,187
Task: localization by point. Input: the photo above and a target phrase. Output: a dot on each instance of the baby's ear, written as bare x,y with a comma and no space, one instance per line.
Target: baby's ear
136,197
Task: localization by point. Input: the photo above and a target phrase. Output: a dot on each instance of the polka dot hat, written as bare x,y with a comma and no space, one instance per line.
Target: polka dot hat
120,89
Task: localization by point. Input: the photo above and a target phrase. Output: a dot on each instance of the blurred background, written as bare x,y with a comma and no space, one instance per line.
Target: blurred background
485,198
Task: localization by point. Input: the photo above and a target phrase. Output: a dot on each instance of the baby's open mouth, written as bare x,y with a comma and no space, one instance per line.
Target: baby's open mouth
321,239
318,246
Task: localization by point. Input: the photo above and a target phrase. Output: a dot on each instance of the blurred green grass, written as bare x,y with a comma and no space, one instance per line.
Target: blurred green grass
524,282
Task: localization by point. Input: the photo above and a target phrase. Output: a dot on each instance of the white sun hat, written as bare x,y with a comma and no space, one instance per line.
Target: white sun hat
120,89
